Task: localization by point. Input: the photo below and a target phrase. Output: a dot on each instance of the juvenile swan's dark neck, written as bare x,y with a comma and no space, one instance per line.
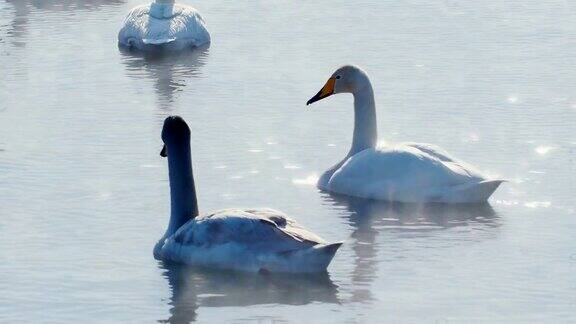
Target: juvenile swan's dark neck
183,203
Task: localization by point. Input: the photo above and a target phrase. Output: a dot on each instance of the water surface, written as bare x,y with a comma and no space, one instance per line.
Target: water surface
84,194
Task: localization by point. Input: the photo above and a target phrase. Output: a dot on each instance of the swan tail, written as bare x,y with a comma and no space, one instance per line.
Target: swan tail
313,259
485,189
326,252
158,41
473,193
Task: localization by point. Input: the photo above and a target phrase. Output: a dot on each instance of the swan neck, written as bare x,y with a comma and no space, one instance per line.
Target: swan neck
183,202
365,130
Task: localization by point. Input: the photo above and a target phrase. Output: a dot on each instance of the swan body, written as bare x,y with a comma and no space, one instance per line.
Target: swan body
240,239
247,239
409,172
163,24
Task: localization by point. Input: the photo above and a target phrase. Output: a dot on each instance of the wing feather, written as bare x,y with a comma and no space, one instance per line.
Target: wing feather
261,229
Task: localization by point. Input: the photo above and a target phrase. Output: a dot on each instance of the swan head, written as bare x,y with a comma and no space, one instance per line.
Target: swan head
346,79
175,132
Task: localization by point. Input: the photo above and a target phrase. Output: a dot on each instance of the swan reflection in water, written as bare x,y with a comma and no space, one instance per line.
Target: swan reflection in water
22,8
193,288
400,221
168,70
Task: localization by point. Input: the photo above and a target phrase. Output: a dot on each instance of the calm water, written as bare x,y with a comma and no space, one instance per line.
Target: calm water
84,194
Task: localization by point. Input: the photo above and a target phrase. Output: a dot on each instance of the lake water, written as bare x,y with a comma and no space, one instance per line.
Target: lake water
84,193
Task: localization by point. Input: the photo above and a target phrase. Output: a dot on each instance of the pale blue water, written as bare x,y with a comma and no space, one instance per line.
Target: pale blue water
84,194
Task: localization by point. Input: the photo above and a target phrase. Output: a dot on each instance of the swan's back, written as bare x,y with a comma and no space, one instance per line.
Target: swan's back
263,229
408,172
248,239
170,25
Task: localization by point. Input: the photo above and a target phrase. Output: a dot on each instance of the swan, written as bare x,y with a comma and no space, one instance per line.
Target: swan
406,172
163,24
254,240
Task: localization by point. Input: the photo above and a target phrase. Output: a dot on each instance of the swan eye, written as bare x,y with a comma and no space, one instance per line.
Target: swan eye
337,77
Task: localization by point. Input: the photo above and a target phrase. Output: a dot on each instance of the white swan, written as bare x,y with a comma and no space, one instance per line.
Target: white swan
163,24
408,172
241,239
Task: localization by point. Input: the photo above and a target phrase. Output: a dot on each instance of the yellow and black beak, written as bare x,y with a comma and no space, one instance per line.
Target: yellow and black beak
164,152
326,91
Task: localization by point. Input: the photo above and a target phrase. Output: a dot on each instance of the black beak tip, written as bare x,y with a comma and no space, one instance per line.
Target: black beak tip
317,97
312,100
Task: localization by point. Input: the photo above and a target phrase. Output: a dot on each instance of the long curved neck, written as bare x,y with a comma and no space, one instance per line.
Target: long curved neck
365,129
183,202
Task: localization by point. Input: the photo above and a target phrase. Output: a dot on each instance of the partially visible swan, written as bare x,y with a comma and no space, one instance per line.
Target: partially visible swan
241,239
163,24
408,172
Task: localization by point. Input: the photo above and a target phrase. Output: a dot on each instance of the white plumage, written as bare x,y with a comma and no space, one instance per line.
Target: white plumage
247,239
163,24
409,172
